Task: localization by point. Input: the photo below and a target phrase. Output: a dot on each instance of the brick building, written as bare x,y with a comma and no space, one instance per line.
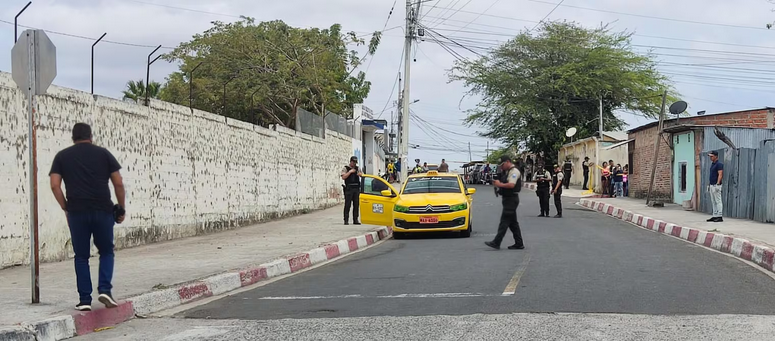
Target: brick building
679,152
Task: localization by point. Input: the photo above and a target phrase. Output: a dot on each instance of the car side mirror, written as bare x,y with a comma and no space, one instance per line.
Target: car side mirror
386,193
470,191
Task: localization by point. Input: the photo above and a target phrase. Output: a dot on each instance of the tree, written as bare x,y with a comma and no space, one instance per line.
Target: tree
269,71
536,86
135,90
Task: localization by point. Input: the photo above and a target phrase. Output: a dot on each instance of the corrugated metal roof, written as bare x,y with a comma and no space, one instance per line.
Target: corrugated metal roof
741,137
616,135
618,144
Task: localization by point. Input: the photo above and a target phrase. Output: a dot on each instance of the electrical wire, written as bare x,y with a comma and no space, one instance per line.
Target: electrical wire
395,83
390,14
547,15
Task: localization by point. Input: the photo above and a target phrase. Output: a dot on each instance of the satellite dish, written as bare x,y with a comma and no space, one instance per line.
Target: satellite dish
678,107
571,131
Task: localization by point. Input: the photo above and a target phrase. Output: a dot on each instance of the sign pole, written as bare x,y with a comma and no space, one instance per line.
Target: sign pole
33,168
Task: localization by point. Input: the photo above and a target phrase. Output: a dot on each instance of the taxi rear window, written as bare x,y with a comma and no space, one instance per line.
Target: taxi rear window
432,184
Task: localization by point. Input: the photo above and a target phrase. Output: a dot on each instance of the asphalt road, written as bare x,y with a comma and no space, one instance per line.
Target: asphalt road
582,263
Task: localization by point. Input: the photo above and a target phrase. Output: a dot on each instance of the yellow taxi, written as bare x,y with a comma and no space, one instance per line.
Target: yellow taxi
427,202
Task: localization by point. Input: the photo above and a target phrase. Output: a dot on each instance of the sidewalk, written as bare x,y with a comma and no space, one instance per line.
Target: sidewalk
159,267
572,192
747,239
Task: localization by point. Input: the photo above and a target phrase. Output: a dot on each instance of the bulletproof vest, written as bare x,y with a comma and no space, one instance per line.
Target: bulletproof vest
554,180
543,184
509,192
353,180
568,166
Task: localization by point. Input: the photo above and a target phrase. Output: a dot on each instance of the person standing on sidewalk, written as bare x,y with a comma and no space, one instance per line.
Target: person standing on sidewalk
585,169
509,186
351,175
557,180
716,175
86,169
567,169
618,179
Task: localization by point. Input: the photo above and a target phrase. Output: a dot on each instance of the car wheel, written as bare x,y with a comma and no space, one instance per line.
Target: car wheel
399,235
466,233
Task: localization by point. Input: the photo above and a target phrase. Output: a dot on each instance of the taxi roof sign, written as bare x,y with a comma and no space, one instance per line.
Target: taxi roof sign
432,172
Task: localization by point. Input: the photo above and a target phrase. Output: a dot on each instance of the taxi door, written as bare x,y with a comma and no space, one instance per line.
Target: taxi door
376,208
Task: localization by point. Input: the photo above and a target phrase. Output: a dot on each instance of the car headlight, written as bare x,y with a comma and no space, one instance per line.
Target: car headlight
399,208
458,207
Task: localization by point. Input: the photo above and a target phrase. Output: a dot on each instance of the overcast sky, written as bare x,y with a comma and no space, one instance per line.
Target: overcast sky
718,52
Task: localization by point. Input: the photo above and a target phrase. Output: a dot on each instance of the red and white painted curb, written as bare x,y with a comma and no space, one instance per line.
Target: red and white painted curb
80,323
762,255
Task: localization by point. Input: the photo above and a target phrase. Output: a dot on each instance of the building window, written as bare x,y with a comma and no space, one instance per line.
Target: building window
682,176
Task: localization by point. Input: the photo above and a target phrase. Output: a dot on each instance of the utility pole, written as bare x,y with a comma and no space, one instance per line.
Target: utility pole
469,152
411,22
598,158
660,126
486,151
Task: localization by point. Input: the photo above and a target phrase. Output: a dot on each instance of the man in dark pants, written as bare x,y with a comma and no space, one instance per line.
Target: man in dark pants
351,175
543,188
557,180
509,185
567,169
585,168
86,169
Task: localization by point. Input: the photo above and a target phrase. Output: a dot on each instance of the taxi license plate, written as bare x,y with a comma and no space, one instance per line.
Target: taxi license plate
429,220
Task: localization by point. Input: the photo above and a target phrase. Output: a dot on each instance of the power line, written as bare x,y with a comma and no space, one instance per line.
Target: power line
89,38
651,16
547,15
478,16
393,91
453,14
390,14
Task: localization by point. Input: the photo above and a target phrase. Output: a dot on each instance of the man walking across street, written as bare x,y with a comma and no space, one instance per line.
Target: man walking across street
567,169
557,179
543,189
585,168
351,175
509,185
86,169
716,175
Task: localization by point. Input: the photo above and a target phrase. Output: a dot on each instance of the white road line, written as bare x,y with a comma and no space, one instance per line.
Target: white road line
437,295
511,288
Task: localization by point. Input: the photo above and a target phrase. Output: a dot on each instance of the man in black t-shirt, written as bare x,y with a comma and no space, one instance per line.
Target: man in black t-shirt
86,169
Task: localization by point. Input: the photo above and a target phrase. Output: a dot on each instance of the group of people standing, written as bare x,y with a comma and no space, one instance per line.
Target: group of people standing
614,179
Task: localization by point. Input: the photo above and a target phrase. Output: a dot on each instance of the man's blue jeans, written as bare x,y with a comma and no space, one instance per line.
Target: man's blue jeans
84,225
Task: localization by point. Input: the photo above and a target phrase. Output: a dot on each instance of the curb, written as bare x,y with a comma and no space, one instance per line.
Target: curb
763,256
66,326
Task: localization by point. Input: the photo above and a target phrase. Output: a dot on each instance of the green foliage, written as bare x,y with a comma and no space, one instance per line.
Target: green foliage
495,155
136,90
538,85
270,70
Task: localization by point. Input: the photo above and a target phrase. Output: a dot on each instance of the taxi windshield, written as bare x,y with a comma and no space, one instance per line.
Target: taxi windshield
432,184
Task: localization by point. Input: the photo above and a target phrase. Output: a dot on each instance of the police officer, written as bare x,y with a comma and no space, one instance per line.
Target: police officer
351,175
567,169
557,180
509,184
543,188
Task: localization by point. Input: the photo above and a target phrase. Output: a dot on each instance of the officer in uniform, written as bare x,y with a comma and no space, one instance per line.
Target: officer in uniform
509,184
543,188
351,175
557,180
567,169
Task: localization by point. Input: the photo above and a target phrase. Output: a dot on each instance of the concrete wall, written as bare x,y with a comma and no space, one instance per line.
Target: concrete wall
185,173
586,147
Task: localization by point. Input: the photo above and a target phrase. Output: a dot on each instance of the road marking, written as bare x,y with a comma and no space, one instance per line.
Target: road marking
511,288
438,295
